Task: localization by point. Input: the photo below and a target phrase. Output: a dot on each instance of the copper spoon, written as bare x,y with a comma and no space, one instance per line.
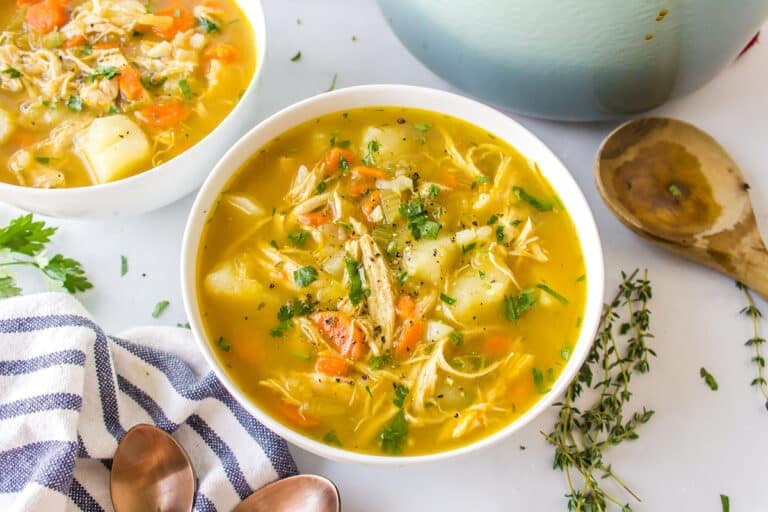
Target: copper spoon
151,471
301,493
673,184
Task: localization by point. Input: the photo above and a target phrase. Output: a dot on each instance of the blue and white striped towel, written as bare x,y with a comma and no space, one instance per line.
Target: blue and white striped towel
68,393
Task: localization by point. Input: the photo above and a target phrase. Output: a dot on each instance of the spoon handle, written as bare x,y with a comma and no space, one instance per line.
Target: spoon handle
753,270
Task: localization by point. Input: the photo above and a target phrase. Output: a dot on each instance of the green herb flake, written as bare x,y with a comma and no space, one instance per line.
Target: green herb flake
159,308
279,331
457,338
296,57
123,266
392,437
185,90
45,160
112,110
480,180
400,393
538,381
675,191
333,83
493,219
434,191
418,221
552,293
321,187
466,248
423,128
75,103
708,378
274,244
86,49
332,438
565,353
539,204
581,278
185,325
12,72
379,361
371,150
223,344
108,72
208,25
302,356
725,503
500,234
305,276
516,305
346,225
355,281
298,238
447,299
368,390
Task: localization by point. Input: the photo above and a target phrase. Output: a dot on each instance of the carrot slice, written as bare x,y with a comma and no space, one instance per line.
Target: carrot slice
74,42
370,202
314,218
413,331
296,416
104,46
347,336
164,115
358,188
449,180
183,20
406,306
223,52
369,172
334,156
130,82
333,366
45,16
497,346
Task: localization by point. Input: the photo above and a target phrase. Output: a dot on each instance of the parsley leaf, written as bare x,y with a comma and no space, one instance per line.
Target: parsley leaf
371,150
434,191
333,83
709,379
321,187
516,305
12,72
553,293
207,24
159,308
298,238
355,281
296,57
108,72
400,393
123,266
447,299
725,502
8,287
379,361
332,438
418,221
279,331
185,90
25,236
457,338
68,273
539,204
423,128
392,436
223,344
305,276
75,103
538,380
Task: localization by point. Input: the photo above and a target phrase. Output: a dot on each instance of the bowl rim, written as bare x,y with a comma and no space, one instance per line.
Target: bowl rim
412,97
255,15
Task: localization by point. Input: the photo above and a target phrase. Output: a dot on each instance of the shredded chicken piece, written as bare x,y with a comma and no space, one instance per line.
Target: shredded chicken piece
100,19
381,302
305,184
526,244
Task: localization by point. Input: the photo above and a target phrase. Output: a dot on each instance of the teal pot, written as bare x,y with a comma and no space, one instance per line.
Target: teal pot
576,59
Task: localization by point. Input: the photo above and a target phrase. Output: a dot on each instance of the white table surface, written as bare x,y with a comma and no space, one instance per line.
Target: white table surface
699,444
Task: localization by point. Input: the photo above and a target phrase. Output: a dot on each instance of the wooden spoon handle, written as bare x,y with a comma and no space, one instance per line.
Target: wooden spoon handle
753,270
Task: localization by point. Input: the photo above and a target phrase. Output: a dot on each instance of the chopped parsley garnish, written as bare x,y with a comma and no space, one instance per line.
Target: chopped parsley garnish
516,305
675,191
223,344
493,219
539,204
123,266
371,150
402,277
279,331
434,191
150,83
418,221
538,380
400,393
333,83
481,180
274,244
725,503
553,293
302,356
332,438
295,308
159,308
321,187
581,278
53,105
391,249
457,338
466,248
75,103
112,110
343,165
185,90
346,225
368,390
298,238
392,436
296,57
207,24
185,325
379,361
108,72
12,72
565,353
45,160
447,299
708,378
355,281
86,49
305,276
500,233
423,128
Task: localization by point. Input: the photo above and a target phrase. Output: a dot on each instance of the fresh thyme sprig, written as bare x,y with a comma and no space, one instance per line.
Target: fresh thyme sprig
755,341
581,434
22,243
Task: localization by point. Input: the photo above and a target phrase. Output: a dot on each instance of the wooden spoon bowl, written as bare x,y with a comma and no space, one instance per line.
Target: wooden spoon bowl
673,184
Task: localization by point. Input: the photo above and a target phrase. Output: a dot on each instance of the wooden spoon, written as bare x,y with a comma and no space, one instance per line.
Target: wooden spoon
300,493
675,185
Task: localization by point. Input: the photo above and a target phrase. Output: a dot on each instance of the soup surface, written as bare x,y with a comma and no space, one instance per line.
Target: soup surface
93,91
391,281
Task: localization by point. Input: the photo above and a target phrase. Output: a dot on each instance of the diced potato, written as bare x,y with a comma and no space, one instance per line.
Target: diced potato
438,330
477,297
431,260
7,126
112,147
232,280
394,141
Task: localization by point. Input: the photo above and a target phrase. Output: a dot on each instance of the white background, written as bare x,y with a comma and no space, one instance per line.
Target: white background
699,444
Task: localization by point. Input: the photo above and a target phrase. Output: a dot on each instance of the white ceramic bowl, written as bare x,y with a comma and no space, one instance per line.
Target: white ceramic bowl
416,97
165,183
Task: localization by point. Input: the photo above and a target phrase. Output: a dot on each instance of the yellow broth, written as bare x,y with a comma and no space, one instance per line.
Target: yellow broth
488,300
91,95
